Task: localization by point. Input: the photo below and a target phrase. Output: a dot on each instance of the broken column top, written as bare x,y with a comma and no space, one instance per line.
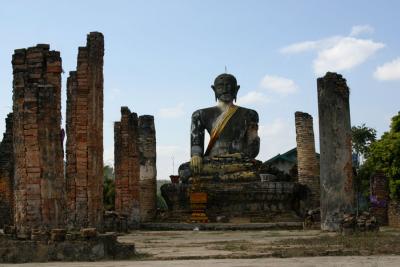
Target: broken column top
333,81
302,115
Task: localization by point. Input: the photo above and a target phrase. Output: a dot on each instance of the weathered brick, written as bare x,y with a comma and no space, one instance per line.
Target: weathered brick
84,170
38,147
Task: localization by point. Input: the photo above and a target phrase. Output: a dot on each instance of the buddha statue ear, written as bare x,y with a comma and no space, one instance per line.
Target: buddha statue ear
213,87
236,91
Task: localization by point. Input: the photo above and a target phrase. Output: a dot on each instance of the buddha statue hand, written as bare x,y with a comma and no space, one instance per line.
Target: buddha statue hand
196,164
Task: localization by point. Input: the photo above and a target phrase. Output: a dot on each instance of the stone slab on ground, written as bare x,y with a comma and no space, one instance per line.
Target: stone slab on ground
102,247
221,226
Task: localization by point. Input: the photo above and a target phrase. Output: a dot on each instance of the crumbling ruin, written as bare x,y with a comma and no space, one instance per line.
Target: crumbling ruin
307,163
336,174
37,136
148,169
84,167
7,174
135,169
126,157
379,197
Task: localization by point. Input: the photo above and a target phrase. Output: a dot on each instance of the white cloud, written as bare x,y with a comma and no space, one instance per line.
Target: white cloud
278,84
388,71
277,137
310,45
252,97
361,29
345,54
338,53
172,112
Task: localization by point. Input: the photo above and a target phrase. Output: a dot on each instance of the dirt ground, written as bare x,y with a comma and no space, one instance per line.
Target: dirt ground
255,248
188,245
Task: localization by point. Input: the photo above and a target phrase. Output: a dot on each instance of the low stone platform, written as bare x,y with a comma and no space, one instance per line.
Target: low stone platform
255,201
221,226
101,247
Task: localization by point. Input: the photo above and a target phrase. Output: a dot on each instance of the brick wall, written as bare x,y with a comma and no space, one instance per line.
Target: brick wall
394,213
7,175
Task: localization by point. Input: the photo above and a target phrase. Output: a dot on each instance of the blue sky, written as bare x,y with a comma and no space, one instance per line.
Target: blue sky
162,56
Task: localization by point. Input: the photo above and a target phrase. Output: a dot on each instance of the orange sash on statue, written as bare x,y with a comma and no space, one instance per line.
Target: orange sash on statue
219,127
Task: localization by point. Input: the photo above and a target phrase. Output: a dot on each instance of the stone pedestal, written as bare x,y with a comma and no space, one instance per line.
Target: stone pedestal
241,201
336,174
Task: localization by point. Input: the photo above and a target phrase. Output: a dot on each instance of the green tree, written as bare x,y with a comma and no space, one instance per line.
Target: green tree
384,156
362,137
108,188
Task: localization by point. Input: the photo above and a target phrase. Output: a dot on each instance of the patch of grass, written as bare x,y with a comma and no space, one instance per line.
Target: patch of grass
368,243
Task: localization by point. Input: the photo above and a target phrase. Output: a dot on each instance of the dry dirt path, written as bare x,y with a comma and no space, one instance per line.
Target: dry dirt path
373,261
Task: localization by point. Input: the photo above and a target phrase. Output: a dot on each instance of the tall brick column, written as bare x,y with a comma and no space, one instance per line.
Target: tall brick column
337,194
148,170
7,174
307,164
39,168
379,190
84,168
126,156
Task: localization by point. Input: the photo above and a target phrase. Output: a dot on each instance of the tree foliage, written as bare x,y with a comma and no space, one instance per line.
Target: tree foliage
384,156
362,137
108,188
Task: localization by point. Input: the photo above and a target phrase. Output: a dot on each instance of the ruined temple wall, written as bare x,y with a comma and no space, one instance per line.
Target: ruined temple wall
127,169
337,194
39,169
379,197
148,170
135,167
307,164
84,168
7,174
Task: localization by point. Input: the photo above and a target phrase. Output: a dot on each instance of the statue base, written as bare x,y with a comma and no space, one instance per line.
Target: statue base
234,202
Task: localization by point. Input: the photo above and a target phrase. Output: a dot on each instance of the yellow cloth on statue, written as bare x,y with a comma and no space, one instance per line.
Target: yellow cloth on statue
220,126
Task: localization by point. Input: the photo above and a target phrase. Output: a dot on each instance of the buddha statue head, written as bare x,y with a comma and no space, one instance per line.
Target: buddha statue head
225,87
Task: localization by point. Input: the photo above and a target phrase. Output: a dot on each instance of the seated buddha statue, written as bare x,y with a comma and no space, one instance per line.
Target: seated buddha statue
233,130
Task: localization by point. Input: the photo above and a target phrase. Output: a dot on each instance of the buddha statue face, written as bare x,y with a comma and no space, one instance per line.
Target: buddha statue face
225,88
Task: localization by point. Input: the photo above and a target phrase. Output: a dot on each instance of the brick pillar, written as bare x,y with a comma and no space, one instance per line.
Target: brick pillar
39,168
337,194
148,170
84,168
7,174
126,156
379,197
307,164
